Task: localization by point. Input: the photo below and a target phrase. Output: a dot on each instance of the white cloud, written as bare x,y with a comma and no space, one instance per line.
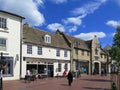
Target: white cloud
58,1
74,20
82,12
73,29
25,8
88,8
55,26
89,36
113,23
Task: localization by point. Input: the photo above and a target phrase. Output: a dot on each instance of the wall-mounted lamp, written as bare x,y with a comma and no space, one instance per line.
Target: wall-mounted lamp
17,57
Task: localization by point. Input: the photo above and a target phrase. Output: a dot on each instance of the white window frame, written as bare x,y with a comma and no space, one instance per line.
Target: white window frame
3,22
47,38
3,44
58,52
59,67
29,48
39,50
65,53
66,67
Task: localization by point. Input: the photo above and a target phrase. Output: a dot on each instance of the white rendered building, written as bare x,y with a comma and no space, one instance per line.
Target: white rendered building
44,51
10,39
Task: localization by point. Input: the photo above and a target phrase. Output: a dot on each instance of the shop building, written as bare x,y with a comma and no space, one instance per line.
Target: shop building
10,39
44,51
87,56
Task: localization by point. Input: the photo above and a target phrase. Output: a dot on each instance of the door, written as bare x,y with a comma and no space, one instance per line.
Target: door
97,67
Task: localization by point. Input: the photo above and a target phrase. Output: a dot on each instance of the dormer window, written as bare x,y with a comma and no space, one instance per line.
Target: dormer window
47,39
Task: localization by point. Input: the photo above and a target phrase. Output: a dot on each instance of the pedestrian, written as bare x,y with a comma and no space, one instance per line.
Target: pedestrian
102,71
94,72
105,72
28,76
64,74
79,73
70,78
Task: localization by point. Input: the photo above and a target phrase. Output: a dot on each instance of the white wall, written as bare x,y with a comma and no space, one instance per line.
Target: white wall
47,53
12,35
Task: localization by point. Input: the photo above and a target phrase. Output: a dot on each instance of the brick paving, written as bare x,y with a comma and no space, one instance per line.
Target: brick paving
86,82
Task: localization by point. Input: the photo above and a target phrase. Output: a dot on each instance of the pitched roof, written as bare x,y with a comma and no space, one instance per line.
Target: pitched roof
78,43
11,14
35,36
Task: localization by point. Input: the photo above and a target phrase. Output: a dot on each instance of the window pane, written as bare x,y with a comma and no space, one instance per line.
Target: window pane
58,52
29,49
59,67
2,44
39,50
3,23
65,53
66,67
7,66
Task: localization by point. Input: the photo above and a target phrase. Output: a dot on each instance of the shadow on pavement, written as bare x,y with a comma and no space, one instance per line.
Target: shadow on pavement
91,88
97,80
64,84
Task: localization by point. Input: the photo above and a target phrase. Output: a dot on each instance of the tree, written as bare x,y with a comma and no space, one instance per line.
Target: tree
115,50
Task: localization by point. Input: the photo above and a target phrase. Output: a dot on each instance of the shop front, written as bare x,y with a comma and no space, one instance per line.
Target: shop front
83,66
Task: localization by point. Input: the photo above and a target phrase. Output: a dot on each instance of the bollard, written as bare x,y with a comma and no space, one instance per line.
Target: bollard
1,88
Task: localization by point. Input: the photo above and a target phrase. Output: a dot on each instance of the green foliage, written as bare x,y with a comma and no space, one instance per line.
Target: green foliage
115,55
33,71
115,50
116,38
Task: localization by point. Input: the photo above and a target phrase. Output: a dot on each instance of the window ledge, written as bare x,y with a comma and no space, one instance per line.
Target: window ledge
8,75
4,30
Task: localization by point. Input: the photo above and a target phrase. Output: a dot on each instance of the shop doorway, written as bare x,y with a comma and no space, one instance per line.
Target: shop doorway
97,67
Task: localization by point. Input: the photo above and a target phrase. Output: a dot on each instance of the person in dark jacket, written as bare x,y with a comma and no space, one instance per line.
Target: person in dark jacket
70,77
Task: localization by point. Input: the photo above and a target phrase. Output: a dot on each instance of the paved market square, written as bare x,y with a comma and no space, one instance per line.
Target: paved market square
85,82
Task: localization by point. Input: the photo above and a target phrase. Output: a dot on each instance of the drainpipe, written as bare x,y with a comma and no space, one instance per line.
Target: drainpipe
91,62
21,35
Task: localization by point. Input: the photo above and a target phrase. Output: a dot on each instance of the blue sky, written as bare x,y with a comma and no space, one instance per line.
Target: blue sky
79,18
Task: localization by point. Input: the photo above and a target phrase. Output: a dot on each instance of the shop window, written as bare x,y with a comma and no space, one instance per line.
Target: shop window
7,66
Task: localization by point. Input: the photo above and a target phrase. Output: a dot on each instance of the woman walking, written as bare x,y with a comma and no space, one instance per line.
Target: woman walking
70,77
